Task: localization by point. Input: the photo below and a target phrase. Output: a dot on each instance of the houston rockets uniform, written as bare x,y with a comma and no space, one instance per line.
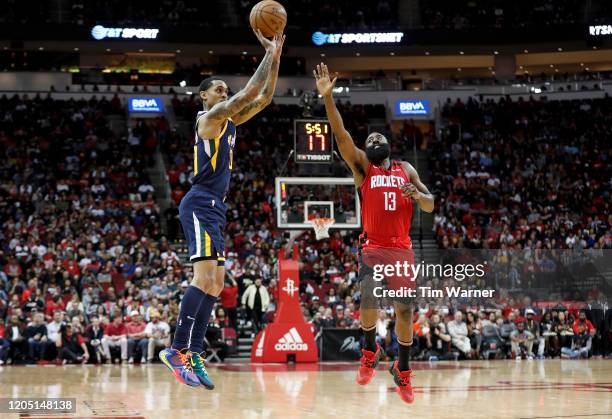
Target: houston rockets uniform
202,210
386,216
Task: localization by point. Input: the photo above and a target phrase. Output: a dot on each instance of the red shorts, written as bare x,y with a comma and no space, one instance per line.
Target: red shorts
392,267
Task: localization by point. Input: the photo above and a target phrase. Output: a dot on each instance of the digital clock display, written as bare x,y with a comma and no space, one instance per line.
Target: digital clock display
313,141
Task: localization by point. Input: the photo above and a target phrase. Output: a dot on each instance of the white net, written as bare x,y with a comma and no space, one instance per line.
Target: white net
321,227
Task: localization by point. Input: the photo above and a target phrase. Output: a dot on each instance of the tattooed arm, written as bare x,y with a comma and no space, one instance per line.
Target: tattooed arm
267,93
212,122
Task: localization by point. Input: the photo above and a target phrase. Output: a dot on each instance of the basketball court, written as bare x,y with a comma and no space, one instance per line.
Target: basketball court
493,389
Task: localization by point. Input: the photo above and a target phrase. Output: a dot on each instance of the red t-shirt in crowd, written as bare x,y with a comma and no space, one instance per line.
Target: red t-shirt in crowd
112,330
229,297
52,307
588,326
133,327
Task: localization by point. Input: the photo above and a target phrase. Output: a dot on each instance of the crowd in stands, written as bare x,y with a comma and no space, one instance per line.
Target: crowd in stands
80,235
524,174
86,274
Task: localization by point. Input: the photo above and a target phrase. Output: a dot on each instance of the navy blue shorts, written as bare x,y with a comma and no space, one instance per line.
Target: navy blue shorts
202,216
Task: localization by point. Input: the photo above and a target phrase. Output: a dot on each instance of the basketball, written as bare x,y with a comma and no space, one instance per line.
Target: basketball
269,17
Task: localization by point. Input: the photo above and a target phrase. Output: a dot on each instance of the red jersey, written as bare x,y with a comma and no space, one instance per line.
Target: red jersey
386,214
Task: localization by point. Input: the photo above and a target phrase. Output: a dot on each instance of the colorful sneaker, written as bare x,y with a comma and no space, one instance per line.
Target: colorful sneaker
179,363
369,362
199,369
402,380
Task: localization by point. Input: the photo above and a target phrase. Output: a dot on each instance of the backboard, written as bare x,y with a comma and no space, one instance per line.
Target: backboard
300,199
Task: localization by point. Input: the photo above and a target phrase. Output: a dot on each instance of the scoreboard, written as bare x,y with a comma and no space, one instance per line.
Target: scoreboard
313,141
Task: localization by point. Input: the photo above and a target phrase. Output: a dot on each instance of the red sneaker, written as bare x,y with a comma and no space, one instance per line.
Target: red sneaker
369,362
402,380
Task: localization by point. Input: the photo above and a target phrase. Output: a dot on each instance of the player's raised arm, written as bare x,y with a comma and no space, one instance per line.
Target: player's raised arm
211,122
267,93
417,189
354,157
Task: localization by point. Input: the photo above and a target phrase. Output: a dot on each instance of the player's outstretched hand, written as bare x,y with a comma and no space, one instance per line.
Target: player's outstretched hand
265,42
324,83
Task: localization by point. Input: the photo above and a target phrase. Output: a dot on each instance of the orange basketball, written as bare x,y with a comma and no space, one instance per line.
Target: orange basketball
269,17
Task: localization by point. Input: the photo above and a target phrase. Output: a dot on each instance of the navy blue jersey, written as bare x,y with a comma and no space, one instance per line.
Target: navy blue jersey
213,159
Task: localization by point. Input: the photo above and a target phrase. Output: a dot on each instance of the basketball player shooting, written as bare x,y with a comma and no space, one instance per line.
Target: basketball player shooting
388,189
202,210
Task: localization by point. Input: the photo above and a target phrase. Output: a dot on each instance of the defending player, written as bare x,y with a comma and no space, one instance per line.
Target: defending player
202,210
387,188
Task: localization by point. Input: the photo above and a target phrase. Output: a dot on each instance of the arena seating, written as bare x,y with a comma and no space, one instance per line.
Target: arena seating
513,177
89,227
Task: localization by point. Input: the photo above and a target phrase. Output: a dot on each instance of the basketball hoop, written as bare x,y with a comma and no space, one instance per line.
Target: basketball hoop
321,227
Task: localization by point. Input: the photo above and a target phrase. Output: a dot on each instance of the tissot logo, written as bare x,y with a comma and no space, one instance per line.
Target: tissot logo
411,107
291,341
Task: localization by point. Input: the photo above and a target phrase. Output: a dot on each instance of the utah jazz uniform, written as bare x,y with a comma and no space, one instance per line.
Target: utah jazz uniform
202,210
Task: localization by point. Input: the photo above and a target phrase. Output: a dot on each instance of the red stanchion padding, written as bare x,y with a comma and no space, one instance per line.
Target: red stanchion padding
288,334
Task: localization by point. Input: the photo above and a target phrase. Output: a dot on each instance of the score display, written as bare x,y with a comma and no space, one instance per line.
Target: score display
313,141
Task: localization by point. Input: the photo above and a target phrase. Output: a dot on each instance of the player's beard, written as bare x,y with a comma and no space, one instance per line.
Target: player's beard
377,155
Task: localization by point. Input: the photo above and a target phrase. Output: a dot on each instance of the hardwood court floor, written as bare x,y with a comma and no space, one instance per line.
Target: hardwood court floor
497,389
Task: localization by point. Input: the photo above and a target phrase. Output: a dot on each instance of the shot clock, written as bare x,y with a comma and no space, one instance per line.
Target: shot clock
313,141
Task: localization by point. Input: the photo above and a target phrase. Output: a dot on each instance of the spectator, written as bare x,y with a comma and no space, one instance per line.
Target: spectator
580,345
391,344
419,330
521,341
37,338
214,336
158,334
534,328
16,336
586,323
506,328
548,336
115,335
438,341
71,346
74,306
229,300
458,331
256,299
137,336
5,345
474,326
93,335
53,328
382,328
564,331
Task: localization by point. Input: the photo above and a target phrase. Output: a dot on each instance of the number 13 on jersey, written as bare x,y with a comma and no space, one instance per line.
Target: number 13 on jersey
390,201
